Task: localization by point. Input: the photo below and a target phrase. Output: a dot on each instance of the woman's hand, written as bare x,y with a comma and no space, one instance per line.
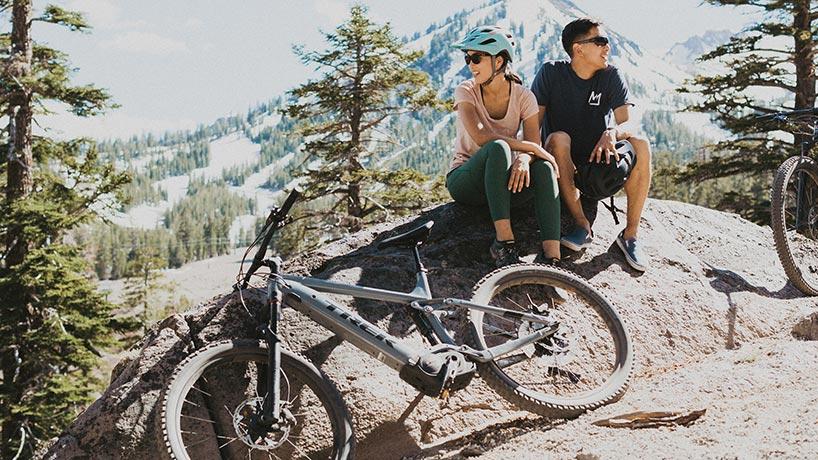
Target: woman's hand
539,152
520,176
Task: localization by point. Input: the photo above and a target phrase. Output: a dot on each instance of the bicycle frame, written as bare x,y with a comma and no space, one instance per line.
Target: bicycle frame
304,294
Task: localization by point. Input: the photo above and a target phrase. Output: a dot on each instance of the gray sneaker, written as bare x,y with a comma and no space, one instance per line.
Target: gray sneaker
632,250
577,240
504,253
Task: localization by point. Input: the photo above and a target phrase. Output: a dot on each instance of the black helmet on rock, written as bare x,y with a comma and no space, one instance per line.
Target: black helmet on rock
601,180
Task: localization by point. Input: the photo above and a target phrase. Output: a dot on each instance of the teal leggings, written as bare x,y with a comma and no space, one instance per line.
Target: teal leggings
484,179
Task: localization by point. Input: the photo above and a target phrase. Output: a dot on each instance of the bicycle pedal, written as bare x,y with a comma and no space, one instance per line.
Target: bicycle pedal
444,398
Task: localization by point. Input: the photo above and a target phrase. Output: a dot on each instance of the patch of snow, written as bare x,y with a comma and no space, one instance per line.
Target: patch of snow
700,123
269,121
396,154
232,150
175,187
143,216
246,222
252,187
439,126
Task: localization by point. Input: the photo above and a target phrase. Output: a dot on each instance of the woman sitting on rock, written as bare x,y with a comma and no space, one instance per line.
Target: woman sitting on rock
490,164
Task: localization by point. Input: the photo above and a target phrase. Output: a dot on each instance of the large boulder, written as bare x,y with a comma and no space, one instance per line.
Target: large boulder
714,284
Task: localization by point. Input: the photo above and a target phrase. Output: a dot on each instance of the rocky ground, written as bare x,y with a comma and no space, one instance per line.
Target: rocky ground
711,323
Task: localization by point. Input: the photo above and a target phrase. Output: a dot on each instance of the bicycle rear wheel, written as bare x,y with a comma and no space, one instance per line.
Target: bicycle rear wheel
795,221
586,364
216,391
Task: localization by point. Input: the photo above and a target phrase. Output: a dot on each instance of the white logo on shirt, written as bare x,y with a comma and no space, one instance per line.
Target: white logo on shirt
595,98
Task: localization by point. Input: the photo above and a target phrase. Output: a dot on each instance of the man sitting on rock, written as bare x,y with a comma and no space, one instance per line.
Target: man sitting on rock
576,99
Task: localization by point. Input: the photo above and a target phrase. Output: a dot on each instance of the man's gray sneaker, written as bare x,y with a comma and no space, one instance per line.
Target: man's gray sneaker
632,250
577,240
504,253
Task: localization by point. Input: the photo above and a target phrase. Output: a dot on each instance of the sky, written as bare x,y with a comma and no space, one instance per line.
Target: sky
175,64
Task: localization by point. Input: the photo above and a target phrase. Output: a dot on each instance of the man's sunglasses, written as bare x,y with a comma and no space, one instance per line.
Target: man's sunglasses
475,58
598,41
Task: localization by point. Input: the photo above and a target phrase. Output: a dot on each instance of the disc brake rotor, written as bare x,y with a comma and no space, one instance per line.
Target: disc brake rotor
242,420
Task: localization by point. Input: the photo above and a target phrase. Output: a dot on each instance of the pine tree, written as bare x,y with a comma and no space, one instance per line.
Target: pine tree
777,53
369,79
142,282
52,319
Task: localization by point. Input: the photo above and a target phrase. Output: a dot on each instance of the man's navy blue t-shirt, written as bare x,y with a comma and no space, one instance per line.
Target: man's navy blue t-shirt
581,108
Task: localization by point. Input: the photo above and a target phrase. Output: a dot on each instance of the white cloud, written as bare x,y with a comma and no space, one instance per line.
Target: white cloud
194,23
145,42
333,10
104,15
100,13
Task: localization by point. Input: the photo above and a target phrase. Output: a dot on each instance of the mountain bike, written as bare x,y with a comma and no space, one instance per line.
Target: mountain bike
794,211
542,337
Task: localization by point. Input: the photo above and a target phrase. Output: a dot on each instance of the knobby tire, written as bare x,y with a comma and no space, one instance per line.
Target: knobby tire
798,255
198,412
544,383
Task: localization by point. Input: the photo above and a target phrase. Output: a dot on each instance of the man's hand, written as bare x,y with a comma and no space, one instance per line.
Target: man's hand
520,175
605,147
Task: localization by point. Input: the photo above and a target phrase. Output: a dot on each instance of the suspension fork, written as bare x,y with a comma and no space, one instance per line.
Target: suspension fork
271,411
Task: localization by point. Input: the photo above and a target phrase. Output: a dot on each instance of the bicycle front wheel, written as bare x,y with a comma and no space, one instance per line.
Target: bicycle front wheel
210,405
795,221
587,362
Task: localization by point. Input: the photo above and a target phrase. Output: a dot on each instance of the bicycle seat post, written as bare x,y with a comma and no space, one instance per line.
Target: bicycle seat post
422,283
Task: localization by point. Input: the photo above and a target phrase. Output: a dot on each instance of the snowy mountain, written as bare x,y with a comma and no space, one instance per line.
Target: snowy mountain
684,54
538,27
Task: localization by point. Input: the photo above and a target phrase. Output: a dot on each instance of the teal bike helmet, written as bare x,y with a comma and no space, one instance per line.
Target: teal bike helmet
488,39
491,40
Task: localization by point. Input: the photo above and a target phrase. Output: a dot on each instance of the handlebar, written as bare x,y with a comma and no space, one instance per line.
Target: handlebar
275,220
792,113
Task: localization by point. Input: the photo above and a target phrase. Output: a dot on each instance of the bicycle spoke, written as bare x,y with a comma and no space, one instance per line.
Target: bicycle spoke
515,303
498,331
199,419
201,391
225,444
197,443
299,449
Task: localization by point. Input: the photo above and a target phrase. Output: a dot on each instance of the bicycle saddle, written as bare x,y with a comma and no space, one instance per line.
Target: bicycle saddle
408,239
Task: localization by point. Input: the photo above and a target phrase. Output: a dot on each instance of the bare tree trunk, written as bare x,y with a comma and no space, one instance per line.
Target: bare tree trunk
804,60
20,161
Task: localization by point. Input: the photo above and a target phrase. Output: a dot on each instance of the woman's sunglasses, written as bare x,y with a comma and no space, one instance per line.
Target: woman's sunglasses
598,41
475,58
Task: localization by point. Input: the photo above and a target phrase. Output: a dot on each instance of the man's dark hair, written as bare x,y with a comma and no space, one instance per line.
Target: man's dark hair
576,29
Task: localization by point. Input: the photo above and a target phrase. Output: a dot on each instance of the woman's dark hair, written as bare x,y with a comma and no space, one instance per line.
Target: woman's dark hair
507,73
576,29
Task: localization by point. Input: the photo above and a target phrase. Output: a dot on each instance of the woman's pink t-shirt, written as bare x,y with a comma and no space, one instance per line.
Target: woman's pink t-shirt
522,104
